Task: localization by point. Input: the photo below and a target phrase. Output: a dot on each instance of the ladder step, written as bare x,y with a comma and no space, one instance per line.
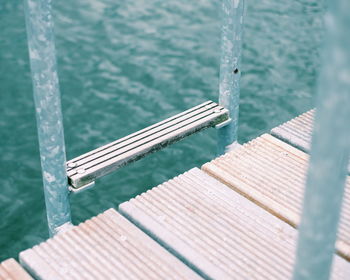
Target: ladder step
221,234
105,247
11,270
86,168
272,174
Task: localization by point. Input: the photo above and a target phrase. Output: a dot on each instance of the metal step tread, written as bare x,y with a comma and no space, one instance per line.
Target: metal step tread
272,173
12,270
87,167
104,247
216,231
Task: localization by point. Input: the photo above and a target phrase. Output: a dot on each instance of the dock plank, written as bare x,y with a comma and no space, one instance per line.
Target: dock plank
216,231
10,269
272,174
104,247
298,132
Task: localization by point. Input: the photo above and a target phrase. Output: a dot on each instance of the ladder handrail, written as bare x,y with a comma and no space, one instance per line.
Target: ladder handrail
42,55
329,151
232,13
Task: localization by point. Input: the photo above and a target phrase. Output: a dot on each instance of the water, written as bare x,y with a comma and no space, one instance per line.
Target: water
124,65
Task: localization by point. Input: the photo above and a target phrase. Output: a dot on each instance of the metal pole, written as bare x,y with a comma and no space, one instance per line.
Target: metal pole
48,112
330,150
230,69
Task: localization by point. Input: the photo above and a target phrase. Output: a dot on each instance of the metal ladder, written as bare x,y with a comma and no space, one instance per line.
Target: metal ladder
332,117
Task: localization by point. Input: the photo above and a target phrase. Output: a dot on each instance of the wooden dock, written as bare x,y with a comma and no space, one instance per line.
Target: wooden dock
11,270
105,247
297,132
272,174
218,232
235,218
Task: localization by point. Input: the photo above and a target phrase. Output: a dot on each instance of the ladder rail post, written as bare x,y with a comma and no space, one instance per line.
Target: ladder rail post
42,54
329,152
232,13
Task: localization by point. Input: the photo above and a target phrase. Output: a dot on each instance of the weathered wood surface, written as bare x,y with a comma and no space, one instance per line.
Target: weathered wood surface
298,132
218,232
272,174
11,270
104,247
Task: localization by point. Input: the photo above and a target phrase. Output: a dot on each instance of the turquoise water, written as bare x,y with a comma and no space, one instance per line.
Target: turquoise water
124,65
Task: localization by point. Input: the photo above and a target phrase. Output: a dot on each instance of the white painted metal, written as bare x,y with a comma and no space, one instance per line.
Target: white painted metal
11,270
104,247
86,168
272,174
218,232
